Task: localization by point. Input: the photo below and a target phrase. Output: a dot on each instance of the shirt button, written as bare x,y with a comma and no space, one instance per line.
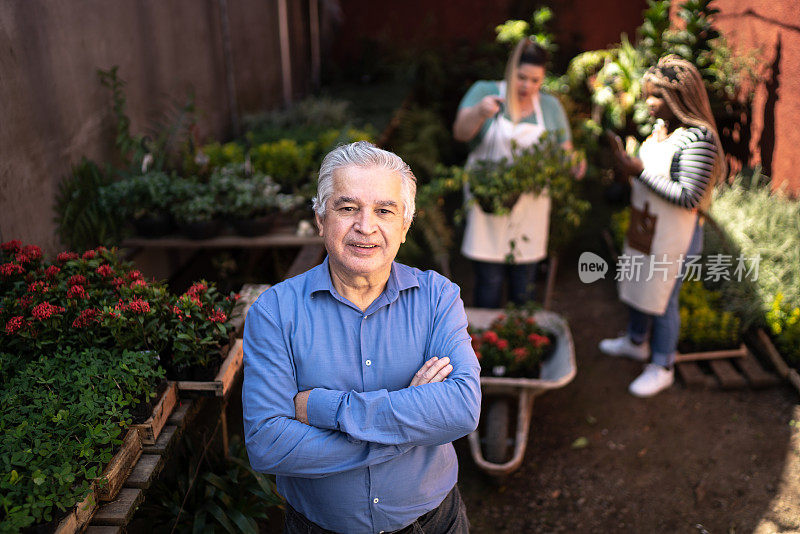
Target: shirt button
368,363
364,316
375,500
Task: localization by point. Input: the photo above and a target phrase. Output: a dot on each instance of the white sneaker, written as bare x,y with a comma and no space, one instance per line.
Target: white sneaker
623,346
654,379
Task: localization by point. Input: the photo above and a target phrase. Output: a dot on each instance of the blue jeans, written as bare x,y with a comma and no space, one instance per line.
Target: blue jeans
666,328
489,278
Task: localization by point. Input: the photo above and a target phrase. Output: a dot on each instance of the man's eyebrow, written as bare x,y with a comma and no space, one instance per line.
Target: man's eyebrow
389,203
344,200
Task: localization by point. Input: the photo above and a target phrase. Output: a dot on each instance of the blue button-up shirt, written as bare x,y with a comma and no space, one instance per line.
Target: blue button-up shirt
377,453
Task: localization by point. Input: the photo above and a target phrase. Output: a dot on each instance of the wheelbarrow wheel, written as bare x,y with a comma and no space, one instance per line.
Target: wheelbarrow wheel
497,431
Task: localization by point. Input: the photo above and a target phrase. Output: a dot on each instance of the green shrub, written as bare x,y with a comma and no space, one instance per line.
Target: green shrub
783,321
62,416
758,223
705,324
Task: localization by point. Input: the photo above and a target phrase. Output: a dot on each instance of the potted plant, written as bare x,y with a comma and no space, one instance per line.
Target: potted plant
197,212
249,202
144,200
513,345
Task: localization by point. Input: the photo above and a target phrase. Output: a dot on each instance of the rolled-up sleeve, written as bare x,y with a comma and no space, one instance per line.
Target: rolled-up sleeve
276,442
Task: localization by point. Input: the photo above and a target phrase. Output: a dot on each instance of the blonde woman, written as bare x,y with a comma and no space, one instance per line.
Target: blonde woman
672,184
494,117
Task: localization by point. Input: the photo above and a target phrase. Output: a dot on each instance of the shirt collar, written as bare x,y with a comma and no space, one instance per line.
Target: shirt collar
401,278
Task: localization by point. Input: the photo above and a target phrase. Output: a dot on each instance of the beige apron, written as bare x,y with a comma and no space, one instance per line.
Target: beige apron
489,237
673,234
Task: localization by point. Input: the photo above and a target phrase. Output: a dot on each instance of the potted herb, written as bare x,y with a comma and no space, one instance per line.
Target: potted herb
249,202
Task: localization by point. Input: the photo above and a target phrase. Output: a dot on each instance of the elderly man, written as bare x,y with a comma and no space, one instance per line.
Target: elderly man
359,373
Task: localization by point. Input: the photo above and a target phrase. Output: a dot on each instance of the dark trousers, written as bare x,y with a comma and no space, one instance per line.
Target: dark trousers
450,517
489,278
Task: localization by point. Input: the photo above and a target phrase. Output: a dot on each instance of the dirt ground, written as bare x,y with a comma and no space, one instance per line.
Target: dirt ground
687,460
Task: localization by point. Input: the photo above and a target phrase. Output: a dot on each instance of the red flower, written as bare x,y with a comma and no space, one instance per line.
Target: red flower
9,269
32,252
45,310
89,254
78,280
218,316
178,312
135,275
38,287
490,336
15,323
85,318
197,289
520,353
104,270
502,344
11,247
64,257
538,340
530,321
25,301
138,283
101,248
117,282
138,305
76,292
52,271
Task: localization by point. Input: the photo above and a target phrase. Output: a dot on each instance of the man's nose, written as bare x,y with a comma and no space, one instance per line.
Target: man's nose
365,222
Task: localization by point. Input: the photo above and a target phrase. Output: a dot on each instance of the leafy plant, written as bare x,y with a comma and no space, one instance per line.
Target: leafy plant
139,196
213,494
783,321
705,324
513,345
160,148
82,219
513,31
62,415
762,225
197,202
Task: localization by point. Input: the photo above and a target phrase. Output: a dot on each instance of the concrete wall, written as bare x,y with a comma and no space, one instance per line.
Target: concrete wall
53,109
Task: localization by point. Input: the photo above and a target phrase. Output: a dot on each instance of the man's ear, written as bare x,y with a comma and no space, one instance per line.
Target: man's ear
405,232
318,220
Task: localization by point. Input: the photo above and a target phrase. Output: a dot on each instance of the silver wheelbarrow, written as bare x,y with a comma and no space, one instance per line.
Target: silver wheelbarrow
557,371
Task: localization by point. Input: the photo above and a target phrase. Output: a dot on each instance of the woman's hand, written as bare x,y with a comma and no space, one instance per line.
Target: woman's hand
625,164
489,106
469,120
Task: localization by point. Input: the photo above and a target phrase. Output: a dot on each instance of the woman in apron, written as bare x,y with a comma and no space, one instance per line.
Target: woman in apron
673,179
494,117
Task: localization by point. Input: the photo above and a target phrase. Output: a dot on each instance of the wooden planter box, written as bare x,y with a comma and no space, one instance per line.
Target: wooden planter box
80,515
120,466
222,383
150,429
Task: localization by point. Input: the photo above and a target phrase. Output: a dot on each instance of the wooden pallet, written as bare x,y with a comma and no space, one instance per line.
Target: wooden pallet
150,429
726,369
113,516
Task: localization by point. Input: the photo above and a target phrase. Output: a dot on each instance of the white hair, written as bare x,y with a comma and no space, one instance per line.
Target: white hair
364,154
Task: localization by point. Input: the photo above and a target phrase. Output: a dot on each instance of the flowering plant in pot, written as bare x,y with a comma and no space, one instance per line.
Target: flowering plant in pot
514,345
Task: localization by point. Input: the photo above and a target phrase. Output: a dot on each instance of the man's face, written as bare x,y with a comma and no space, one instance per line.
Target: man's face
363,224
